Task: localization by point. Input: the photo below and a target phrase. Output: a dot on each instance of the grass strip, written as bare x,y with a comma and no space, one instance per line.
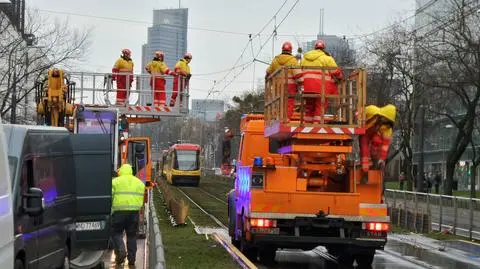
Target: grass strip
217,186
210,204
186,249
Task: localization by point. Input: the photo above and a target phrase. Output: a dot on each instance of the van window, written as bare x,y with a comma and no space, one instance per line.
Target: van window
12,165
44,178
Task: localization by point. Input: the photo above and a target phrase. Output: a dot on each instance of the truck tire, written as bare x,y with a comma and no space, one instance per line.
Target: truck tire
249,251
342,255
365,260
18,264
267,255
231,215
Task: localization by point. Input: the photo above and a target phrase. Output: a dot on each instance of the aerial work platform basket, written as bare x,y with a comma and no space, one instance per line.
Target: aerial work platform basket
98,89
342,115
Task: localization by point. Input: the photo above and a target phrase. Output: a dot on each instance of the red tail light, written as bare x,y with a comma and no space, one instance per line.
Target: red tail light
263,223
377,227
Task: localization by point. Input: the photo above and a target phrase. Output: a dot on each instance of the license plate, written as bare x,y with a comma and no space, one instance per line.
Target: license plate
89,226
266,230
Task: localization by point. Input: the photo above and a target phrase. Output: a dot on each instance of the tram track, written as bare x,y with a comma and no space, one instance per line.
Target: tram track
328,260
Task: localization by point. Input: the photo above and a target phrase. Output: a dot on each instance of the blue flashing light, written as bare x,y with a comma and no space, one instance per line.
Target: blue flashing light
258,161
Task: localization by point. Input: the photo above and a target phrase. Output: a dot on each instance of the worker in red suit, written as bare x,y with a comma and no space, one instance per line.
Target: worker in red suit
157,68
122,72
286,59
180,82
374,144
312,80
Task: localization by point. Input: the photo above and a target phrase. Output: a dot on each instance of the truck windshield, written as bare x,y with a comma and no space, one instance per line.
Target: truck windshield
97,122
187,160
12,164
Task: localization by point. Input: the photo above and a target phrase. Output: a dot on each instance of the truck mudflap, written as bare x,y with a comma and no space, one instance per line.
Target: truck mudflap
93,174
308,232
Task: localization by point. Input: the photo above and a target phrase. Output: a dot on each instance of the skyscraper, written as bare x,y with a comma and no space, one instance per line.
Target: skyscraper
168,34
337,46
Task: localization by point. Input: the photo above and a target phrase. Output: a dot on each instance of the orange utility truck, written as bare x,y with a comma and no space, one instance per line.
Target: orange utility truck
298,184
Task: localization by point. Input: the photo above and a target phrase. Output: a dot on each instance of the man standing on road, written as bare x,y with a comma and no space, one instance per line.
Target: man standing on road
127,200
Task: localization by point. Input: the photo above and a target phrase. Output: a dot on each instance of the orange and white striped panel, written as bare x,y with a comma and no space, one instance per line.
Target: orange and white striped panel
149,109
373,209
326,130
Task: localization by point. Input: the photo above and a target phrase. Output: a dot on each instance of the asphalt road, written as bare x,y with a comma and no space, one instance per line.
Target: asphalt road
292,259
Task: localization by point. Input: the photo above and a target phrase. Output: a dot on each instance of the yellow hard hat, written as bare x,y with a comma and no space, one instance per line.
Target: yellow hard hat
389,112
371,111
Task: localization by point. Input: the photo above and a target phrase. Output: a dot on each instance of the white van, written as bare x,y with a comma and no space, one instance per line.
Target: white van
6,212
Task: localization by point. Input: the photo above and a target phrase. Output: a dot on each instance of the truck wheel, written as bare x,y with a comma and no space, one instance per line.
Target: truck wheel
365,260
342,255
267,255
18,264
250,252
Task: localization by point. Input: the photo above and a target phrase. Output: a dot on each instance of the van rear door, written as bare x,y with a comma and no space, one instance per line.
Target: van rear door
93,170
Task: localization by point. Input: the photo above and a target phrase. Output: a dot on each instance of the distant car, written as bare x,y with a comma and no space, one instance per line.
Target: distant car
6,212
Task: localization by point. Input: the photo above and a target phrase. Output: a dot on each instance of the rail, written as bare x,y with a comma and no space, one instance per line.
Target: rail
155,244
459,215
343,108
99,89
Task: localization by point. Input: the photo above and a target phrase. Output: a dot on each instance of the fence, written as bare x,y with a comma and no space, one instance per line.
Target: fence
459,215
156,256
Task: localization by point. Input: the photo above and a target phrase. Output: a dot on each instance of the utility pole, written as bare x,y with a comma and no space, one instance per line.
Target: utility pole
421,161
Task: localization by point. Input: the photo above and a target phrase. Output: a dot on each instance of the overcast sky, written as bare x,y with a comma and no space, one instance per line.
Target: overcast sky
213,51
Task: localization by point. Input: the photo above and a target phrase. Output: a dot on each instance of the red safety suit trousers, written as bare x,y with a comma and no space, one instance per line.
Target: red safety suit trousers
159,91
179,85
312,84
123,87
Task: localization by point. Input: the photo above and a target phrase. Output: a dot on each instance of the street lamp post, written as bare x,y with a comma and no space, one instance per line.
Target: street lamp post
444,166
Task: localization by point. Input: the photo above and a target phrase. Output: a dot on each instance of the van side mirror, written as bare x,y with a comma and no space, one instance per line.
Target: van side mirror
33,203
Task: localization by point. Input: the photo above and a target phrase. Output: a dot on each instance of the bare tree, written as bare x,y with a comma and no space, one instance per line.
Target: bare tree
56,44
453,43
392,79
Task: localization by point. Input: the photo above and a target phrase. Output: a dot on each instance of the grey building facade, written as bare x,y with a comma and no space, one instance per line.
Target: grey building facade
337,46
207,110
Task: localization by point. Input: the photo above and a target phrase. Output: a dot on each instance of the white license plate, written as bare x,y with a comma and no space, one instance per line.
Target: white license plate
89,226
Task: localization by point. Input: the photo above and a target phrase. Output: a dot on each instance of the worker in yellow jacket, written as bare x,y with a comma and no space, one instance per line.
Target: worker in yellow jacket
374,144
127,200
181,81
122,72
157,68
286,59
312,80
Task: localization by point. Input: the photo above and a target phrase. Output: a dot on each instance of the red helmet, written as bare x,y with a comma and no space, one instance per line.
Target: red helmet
126,52
159,54
287,46
320,45
187,55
